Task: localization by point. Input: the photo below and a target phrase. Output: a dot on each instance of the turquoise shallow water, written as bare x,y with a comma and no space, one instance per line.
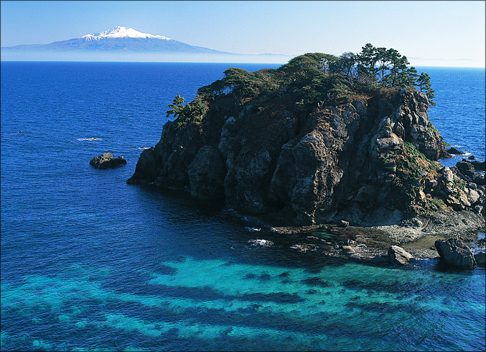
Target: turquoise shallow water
91,263
217,304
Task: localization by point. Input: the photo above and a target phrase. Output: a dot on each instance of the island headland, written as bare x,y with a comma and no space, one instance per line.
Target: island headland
320,140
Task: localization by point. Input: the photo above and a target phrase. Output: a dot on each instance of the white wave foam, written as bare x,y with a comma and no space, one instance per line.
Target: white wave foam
89,139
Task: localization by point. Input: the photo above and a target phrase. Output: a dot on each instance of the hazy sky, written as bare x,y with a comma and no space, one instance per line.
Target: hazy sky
429,33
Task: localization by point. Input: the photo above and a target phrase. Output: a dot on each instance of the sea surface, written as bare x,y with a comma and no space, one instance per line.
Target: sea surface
89,263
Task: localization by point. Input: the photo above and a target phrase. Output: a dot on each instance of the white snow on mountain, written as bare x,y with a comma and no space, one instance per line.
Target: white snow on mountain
121,32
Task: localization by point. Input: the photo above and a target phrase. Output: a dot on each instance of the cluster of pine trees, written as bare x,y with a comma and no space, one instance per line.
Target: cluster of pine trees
309,79
379,66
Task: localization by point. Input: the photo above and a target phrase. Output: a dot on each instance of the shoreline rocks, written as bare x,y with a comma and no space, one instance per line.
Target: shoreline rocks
455,151
106,161
480,258
446,224
397,255
454,252
369,245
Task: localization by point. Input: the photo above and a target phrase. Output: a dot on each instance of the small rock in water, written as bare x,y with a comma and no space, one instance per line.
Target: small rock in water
260,242
453,150
106,160
454,252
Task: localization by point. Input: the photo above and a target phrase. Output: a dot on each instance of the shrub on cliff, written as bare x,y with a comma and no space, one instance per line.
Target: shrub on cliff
242,84
185,114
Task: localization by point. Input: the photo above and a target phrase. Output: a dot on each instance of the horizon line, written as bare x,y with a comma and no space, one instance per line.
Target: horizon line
200,62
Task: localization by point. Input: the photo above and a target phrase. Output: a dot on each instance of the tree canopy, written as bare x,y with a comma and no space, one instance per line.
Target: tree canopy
310,79
382,67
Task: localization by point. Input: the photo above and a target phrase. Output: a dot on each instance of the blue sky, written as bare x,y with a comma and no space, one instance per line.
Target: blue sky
429,33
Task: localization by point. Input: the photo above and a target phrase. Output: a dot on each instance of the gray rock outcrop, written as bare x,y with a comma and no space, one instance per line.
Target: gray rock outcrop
107,161
480,258
397,255
206,174
367,161
456,253
455,151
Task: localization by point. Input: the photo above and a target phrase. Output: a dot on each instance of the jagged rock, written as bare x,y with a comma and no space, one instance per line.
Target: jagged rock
480,258
479,165
168,162
473,196
447,175
455,253
464,199
397,255
206,174
453,150
247,182
106,160
465,168
478,179
146,169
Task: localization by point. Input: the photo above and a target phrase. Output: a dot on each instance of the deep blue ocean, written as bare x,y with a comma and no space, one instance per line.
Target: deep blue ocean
89,263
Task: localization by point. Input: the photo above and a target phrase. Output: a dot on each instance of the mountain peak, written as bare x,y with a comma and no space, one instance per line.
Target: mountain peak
121,32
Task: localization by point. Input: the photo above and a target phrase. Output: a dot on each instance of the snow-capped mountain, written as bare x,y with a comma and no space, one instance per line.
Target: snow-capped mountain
122,32
126,44
117,39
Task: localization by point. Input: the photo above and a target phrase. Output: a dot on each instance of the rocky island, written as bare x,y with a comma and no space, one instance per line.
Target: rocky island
320,140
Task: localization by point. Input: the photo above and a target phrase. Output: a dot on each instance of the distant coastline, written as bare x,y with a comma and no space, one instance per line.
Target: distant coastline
128,45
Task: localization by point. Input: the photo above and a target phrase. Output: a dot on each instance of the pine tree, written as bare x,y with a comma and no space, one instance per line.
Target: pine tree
423,82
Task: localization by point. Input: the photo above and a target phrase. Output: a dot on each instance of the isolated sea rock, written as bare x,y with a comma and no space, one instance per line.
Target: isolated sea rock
397,255
454,252
370,159
455,151
261,242
106,161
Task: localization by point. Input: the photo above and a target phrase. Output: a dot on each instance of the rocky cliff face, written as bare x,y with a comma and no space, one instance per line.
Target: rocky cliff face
366,161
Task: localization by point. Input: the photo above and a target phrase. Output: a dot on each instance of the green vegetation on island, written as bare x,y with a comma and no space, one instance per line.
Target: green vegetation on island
314,78
319,139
